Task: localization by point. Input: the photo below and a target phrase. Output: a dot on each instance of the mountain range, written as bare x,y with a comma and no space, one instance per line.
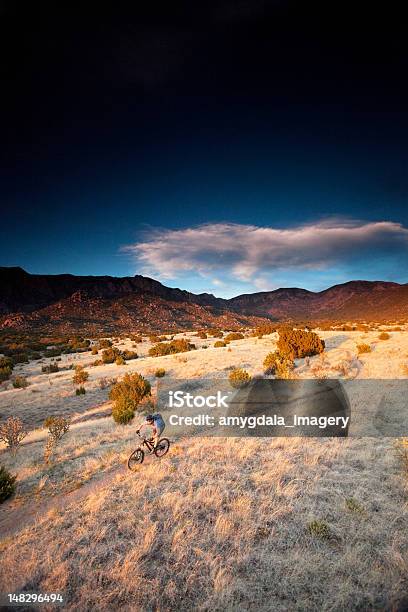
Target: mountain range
66,303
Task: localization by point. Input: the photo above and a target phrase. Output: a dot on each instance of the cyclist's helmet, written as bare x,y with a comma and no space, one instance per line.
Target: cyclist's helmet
149,418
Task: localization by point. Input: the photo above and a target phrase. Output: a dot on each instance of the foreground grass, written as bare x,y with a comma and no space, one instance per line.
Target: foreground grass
84,452
229,524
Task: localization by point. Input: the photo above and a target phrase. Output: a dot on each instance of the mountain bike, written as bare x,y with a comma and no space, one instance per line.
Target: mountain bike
138,455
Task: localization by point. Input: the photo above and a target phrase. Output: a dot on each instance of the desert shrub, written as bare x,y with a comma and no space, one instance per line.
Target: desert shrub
6,362
57,428
160,372
319,529
78,344
110,355
219,344
50,368
80,390
154,338
239,378
80,376
285,369
278,364
215,333
297,343
136,339
384,336
131,385
126,354
65,351
20,358
202,335
35,347
120,361
269,363
126,395
7,484
97,362
354,506
363,348
94,350
20,382
404,369
5,374
265,329
234,336
12,433
52,352
171,348
104,344
123,410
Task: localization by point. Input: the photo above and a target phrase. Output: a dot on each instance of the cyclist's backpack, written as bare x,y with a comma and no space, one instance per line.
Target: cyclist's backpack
158,419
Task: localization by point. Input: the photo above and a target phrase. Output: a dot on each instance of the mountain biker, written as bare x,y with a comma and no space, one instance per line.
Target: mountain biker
155,421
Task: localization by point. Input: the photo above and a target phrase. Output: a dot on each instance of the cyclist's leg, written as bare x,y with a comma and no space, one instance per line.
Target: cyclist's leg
156,438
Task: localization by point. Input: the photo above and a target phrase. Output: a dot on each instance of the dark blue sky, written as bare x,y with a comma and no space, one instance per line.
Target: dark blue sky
260,114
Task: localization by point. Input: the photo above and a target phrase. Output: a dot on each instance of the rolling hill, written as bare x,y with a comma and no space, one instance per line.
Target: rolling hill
68,303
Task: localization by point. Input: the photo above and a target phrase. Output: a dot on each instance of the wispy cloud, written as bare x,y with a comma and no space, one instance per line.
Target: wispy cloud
250,254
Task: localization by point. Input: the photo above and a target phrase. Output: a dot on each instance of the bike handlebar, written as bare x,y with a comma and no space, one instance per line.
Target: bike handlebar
141,437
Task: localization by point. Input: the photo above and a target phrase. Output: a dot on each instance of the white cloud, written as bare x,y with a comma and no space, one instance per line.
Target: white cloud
246,252
263,284
217,282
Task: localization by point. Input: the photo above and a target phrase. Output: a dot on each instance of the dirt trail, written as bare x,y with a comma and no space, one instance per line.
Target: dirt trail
15,519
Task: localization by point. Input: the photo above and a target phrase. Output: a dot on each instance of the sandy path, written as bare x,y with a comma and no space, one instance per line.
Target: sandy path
15,519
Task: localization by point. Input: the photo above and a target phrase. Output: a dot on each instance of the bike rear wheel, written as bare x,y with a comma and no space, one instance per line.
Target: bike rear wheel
135,459
162,447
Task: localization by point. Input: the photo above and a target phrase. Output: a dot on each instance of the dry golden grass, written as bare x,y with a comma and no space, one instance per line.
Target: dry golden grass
404,369
363,348
225,524
401,446
217,524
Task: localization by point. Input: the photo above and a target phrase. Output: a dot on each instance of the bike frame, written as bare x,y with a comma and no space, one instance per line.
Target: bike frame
145,442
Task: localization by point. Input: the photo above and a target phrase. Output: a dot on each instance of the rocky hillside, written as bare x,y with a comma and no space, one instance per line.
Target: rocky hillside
356,300
68,303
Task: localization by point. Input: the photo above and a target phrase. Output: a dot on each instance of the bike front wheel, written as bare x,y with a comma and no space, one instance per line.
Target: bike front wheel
135,459
162,447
